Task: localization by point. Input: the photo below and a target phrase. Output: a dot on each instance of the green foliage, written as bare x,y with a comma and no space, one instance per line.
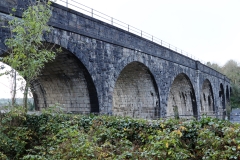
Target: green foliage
235,96
13,135
218,140
18,102
215,66
232,70
61,136
27,53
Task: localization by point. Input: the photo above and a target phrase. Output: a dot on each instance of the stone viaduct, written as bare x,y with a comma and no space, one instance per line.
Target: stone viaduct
108,70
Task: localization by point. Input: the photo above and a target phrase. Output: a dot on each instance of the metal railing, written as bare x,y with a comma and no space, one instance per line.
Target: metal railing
74,5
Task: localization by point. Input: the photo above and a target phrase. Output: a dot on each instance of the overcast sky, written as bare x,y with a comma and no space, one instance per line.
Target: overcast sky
207,29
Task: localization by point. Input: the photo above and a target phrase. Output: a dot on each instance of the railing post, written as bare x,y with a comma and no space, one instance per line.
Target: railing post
134,30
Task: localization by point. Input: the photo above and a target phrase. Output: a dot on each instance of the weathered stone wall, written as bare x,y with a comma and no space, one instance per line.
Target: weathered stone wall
207,102
181,102
135,93
228,95
64,82
98,68
222,98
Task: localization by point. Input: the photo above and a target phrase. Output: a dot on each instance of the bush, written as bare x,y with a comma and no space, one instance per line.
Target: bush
62,136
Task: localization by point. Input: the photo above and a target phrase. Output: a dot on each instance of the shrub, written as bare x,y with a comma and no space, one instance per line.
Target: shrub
64,136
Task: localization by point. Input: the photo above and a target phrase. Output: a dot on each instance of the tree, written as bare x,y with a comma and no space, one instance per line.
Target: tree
13,77
14,86
27,52
235,96
215,66
232,70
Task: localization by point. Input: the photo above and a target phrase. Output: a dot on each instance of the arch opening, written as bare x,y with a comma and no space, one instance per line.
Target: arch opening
181,98
135,93
12,85
222,108
231,92
207,99
67,82
227,95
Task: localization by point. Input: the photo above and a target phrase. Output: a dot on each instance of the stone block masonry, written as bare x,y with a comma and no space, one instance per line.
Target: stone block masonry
107,70
135,93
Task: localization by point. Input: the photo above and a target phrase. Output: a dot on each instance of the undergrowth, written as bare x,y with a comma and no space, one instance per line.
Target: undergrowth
67,136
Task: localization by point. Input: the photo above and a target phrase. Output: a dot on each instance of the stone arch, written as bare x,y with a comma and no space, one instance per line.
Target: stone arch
181,98
227,95
66,81
74,44
135,92
222,107
136,57
231,91
207,99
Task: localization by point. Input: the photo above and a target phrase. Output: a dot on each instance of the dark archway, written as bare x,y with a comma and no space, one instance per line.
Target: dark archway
135,93
227,95
231,91
65,81
207,99
181,98
222,107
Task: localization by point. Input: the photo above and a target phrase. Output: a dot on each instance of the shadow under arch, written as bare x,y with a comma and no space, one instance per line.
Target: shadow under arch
207,99
227,94
65,81
181,98
136,93
222,100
